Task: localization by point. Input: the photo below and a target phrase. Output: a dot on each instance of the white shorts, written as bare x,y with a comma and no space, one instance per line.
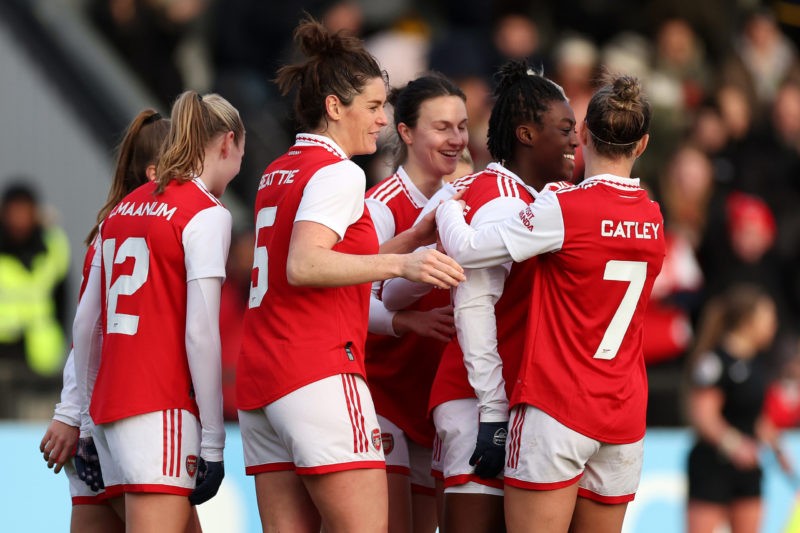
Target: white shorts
152,452
456,424
543,454
326,426
79,491
406,457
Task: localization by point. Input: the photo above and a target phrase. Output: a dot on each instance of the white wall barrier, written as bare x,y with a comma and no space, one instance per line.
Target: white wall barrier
33,499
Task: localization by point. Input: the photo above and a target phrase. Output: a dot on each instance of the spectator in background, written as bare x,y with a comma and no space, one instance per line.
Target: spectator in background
148,33
728,382
34,260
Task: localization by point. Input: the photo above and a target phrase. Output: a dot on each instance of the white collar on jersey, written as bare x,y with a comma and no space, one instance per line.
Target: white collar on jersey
628,183
312,139
416,195
498,168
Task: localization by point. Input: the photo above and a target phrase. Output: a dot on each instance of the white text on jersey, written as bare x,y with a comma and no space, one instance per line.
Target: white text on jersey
629,229
144,209
283,176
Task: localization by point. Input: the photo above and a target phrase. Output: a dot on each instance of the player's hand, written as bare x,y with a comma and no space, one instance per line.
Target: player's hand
87,464
58,444
209,478
489,456
436,323
432,267
425,230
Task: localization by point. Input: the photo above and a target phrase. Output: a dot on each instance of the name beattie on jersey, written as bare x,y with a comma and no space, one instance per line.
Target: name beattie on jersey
278,177
144,209
629,229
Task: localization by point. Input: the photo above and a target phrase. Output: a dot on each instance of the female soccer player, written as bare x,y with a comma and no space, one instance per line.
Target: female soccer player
430,119
574,450
310,433
532,139
728,387
156,402
136,162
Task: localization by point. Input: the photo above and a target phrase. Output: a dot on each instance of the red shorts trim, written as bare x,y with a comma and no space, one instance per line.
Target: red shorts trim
610,500
398,469
328,469
117,490
90,500
541,486
419,489
437,474
463,479
271,467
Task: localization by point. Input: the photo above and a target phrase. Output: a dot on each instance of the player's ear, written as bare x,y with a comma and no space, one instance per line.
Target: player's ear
150,172
405,133
526,134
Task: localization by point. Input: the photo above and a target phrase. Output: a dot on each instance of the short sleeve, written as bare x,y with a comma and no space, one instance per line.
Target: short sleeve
206,241
708,371
334,197
382,219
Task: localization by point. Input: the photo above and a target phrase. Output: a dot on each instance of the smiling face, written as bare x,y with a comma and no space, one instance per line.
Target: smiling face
358,125
555,142
436,142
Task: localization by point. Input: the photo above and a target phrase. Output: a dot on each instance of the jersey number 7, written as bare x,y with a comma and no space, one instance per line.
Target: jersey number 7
635,273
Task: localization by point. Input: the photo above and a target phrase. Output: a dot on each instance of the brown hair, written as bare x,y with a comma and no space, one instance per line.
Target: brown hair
336,64
618,116
196,120
138,150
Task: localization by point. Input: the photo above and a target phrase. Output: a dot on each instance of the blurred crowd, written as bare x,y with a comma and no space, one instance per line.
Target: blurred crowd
723,78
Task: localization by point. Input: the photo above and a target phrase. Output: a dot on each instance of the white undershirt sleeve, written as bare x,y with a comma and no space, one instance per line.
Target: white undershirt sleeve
68,410
512,239
87,343
206,241
476,324
334,197
204,349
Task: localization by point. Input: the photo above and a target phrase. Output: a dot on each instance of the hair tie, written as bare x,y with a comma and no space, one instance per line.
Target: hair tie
152,118
609,142
199,98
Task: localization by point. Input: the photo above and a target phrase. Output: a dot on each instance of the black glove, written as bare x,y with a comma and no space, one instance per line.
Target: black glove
87,464
490,451
209,478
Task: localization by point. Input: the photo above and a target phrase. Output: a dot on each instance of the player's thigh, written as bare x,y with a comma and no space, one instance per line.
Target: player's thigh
284,503
149,512
473,513
705,517
539,511
351,501
93,518
591,516
746,514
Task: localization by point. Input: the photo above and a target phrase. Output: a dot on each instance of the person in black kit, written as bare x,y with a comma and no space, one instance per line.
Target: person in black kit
727,387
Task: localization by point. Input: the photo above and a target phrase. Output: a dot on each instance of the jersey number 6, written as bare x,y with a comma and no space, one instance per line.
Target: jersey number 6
635,273
264,219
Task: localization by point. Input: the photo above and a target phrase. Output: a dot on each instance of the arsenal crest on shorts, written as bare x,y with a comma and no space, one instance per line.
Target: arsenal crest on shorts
388,442
191,465
376,438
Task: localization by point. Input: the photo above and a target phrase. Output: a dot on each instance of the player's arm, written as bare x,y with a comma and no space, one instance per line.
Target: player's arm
537,229
59,441
87,339
423,231
206,241
330,204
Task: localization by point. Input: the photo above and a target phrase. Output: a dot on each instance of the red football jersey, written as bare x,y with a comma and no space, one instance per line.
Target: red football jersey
294,336
400,370
511,310
144,365
583,361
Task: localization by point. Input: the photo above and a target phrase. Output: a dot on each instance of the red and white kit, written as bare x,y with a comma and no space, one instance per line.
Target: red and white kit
491,309
296,336
401,369
160,259
583,362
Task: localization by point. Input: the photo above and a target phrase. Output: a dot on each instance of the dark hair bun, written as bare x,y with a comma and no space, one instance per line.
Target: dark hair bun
626,91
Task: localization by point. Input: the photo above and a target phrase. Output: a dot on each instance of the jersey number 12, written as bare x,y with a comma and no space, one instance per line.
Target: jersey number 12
126,284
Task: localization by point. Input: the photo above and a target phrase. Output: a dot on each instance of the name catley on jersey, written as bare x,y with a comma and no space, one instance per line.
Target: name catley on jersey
148,253
583,361
294,336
